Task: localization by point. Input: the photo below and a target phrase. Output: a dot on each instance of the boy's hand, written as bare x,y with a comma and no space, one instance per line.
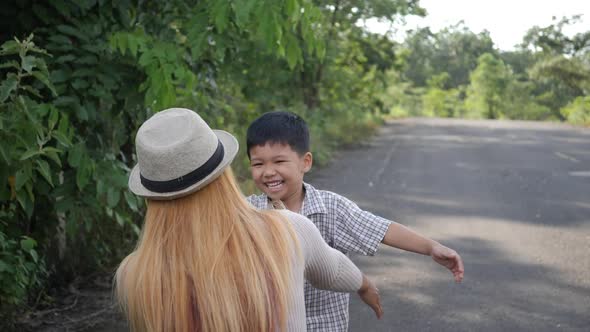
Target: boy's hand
370,295
450,259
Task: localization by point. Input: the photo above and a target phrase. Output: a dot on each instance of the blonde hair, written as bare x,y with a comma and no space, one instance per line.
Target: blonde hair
208,262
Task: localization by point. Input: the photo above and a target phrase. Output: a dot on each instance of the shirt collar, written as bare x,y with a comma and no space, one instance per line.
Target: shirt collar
312,201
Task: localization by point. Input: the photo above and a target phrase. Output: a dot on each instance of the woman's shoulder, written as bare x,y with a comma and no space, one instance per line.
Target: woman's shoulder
296,219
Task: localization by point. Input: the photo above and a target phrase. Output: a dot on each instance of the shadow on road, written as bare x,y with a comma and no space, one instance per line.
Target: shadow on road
499,293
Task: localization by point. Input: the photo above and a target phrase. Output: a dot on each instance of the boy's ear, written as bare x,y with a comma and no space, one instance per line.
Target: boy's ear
307,161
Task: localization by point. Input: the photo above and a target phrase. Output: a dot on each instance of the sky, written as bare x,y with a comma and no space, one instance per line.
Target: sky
506,20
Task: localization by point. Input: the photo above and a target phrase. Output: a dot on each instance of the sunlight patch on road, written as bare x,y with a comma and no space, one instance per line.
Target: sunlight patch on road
429,201
417,297
580,173
466,166
566,157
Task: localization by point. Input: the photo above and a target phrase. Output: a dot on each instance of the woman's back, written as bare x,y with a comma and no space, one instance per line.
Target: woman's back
211,262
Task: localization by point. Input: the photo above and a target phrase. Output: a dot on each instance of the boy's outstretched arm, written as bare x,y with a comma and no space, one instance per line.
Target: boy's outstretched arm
401,237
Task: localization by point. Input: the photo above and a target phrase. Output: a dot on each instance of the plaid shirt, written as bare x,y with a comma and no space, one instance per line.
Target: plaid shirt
344,226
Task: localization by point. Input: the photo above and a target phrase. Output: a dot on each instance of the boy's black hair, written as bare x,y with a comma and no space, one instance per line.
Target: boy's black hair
279,127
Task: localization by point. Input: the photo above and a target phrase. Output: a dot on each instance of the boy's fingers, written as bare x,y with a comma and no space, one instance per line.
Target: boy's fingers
459,269
379,311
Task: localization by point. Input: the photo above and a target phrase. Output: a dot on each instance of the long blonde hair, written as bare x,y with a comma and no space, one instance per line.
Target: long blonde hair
208,262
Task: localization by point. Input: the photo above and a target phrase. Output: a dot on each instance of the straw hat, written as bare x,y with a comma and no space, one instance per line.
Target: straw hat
178,154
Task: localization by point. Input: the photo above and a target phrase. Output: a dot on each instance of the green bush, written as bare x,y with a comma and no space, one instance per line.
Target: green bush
73,96
578,111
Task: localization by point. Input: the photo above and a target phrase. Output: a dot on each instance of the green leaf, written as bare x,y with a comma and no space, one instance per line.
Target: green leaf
28,63
131,201
124,14
75,155
25,202
87,60
30,153
59,76
120,220
43,78
51,149
133,46
71,31
5,188
60,39
6,268
21,178
220,13
65,58
79,84
54,156
100,187
146,59
3,154
84,72
121,41
34,255
113,197
53,118
62,7
10,64
242,11
33,91
10,47
8,86
82,113
61,138
84,173
66,101
293,52
45,170
292,8
27,244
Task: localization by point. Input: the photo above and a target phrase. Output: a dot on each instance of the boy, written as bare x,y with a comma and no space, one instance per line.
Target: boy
278,148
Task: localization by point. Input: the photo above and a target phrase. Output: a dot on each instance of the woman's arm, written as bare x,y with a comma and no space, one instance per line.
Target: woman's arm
328,268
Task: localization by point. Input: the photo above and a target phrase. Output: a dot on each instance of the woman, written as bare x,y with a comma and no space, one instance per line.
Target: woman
206,260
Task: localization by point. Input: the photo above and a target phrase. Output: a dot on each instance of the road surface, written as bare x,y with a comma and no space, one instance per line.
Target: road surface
513,198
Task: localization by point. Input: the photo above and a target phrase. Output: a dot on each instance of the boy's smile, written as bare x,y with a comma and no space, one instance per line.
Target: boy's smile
278,171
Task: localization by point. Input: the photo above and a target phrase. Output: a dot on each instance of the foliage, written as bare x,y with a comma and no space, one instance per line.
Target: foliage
453,50
534,82
489,84
21,270
68,118
33,137
73,96
578,111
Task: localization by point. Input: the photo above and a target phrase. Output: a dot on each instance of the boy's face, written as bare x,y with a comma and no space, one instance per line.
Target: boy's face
278,170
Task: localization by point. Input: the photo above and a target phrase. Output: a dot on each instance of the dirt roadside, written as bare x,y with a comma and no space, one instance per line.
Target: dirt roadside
87,305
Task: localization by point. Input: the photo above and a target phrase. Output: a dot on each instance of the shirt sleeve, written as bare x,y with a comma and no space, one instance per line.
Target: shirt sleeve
357,230
325,267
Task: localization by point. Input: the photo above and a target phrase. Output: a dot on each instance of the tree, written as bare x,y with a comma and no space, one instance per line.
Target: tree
489,83
438,101
339,27
73,95
453,50
562,68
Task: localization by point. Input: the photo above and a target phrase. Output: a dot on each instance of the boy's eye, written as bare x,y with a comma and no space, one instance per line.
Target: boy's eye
256,165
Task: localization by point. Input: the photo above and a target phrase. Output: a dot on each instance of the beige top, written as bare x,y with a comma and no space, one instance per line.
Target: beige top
322,266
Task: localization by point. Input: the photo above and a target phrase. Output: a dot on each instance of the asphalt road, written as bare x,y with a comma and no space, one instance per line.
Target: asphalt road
513,198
